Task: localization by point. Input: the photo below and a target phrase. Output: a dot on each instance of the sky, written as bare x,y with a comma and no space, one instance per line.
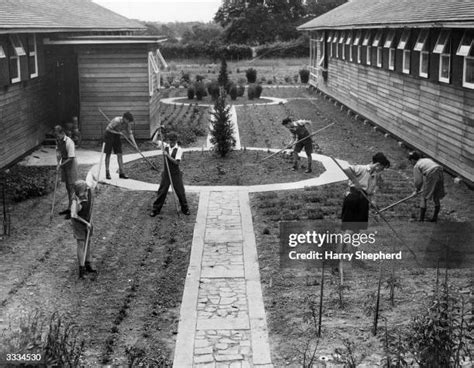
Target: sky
164,10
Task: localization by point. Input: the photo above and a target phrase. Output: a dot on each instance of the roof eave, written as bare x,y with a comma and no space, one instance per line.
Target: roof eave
445,24
62,30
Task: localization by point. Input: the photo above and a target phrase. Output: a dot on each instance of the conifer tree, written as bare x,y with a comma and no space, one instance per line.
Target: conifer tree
223,78
221,127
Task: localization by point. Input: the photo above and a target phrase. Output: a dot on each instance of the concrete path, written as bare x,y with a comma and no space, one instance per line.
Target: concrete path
222,320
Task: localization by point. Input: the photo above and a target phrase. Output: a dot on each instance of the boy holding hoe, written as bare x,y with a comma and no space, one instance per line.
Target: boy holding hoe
172,155
81,211
301,130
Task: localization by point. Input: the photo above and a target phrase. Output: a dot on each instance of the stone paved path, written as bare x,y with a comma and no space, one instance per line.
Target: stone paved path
222,320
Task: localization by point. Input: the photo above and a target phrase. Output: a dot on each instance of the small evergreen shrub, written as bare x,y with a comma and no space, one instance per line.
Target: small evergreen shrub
251,92
304,75
233,92
191,93
223,78
240,90
213,89
251,75
221,127
200,91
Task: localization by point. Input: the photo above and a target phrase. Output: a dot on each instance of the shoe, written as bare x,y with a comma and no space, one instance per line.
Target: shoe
435,214
154,213
186,212
422,214
307,171
123,176
88,268
294,168
107,175
65,212
82,272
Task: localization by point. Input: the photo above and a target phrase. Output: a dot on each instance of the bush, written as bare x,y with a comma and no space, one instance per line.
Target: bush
304,75
200,90
24,182
221,127
240,90
185,77
251,92
251,75
233,92
213,89
258,90
191,93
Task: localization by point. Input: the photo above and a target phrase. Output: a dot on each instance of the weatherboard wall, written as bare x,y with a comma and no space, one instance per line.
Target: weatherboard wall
27,111
113,78
434,117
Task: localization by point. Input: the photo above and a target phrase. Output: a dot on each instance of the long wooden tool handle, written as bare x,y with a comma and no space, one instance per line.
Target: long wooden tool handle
133,145
359,187
400,201
175,200
302,139
58,169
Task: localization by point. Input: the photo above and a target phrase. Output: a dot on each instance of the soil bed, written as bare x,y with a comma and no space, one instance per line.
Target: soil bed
243,167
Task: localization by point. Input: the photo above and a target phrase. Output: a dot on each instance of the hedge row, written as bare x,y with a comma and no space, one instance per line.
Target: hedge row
297,48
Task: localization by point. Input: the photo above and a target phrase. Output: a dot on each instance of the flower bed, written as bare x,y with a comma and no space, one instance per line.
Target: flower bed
237,168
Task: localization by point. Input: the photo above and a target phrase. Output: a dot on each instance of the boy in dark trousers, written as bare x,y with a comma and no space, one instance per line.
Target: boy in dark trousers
81,210
66,157
355,208
300,130
172,155
429,179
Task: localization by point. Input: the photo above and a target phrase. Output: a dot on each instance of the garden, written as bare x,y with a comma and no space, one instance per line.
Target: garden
380,315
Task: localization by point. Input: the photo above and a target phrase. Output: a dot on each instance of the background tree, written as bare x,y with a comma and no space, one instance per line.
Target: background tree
222,132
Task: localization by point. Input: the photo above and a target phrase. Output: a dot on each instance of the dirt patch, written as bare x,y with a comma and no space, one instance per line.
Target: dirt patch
141,262
237,168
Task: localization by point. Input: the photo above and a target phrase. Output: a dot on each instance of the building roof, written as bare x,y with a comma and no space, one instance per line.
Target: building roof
396,13
60,15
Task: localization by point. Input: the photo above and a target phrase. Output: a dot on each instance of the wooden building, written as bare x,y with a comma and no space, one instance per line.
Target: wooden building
407,66
66,58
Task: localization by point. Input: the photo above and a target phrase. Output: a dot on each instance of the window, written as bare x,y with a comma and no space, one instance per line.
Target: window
349,43
421,45
403,45
329,40
357,43
341,41
366,43
32,56
466,50
2,53
16,51
389,41
378,44
153,74
335,44
443,47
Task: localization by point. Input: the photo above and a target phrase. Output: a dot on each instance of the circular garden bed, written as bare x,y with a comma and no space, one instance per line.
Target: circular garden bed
244,167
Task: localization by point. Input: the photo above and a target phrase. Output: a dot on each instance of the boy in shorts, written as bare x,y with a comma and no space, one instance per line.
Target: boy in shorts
300,129
81,210
117,127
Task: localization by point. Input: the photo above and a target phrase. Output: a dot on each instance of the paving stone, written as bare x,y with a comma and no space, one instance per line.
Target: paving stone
203,358
227,358
203,351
